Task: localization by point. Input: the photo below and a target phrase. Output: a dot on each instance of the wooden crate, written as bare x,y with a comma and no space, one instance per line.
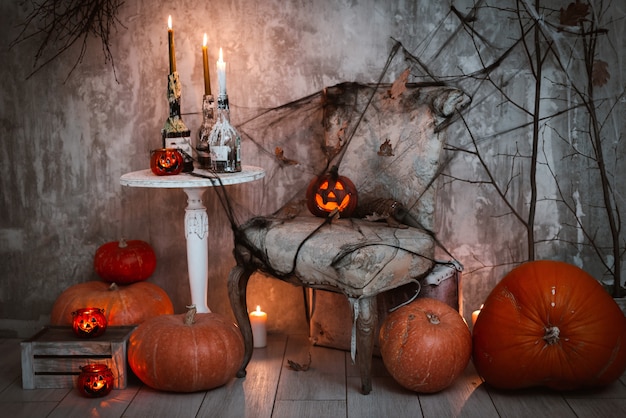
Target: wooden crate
52,358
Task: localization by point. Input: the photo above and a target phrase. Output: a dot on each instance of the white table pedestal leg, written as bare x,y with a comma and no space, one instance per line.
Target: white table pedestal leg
196,232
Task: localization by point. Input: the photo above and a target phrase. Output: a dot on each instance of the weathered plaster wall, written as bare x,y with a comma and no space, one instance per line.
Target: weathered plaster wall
65,143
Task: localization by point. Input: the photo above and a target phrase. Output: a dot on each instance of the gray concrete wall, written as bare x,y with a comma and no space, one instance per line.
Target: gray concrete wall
65,142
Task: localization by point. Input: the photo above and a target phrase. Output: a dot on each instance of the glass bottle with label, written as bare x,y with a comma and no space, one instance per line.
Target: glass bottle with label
224,141
208,121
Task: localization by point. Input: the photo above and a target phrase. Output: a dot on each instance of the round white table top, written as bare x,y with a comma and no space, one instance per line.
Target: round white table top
146,178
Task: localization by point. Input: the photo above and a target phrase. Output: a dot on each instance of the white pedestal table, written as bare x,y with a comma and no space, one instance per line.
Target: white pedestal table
196,218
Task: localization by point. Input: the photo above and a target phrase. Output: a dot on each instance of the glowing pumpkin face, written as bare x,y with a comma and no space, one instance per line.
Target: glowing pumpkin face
166,161
89,322
331,192
95,380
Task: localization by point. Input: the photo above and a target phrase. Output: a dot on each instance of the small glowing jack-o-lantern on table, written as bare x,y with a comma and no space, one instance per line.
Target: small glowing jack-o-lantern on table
166,161
89,322
95,380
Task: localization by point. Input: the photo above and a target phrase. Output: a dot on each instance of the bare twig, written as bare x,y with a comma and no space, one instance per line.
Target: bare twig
60,24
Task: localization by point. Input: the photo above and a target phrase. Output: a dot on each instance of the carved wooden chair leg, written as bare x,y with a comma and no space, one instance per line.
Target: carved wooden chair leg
237,285
365,336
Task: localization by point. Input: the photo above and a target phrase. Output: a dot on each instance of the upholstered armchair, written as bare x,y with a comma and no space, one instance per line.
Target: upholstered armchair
389,141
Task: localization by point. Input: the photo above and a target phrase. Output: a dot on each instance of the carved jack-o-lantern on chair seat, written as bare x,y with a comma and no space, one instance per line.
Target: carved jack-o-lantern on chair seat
354,256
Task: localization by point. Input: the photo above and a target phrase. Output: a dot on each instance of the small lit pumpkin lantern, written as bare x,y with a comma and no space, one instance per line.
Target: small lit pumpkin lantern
166,161
89,322
95,380
331,192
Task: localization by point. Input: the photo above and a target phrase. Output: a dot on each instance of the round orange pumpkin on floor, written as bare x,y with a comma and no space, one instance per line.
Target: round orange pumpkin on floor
549,323
187,352
425,345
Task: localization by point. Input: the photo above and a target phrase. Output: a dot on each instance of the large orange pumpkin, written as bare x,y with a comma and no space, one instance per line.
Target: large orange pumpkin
187,352
549,323
123,305
425,345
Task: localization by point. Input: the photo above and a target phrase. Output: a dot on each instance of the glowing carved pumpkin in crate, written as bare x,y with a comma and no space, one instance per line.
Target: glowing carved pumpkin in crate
123,305
331,192
186,352
549,323
89,322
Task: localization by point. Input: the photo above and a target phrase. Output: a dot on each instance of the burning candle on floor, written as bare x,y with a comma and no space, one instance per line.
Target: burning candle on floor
475,315
258,320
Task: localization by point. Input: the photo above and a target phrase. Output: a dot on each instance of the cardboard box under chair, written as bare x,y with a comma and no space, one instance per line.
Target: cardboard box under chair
52,358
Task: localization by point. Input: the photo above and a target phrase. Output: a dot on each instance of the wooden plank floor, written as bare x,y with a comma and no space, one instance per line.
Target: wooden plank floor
330,388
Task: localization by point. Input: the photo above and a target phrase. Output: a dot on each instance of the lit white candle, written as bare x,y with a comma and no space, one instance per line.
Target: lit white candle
221,74
258,320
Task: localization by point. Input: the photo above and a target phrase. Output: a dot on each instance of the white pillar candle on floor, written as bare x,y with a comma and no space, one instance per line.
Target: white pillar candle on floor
258,320
475,315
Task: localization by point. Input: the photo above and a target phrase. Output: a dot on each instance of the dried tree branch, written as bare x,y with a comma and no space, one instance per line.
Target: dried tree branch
60,24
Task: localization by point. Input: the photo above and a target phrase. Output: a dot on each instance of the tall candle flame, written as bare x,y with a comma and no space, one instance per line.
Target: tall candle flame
169,22
204,40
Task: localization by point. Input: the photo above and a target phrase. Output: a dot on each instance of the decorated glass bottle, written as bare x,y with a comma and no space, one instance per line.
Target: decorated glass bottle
224,141
208,121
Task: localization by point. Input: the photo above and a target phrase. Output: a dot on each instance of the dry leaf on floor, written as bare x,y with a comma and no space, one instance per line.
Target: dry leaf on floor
299,367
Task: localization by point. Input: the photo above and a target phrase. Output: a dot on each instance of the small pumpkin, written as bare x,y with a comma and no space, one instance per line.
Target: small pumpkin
331,192
166,161
186,352
425,345
549,323
89,322
125,262
95,380
123,305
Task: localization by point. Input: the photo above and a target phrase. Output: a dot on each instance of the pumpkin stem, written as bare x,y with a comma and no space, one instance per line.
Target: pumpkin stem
190,316
551,335
432,317
334,172
122,243
113,287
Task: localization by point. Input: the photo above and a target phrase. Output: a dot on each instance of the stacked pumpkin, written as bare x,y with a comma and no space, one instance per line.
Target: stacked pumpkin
124,294
207,347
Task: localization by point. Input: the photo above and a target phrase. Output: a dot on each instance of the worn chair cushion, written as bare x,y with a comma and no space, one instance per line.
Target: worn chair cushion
359,257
